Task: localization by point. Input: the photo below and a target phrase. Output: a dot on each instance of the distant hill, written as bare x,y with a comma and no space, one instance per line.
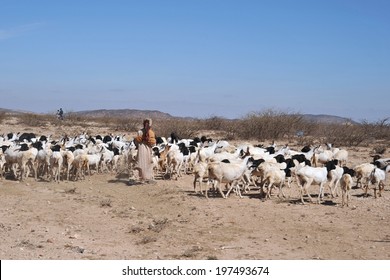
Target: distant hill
125,113
13,112
132,113
327,119
154,114
5,110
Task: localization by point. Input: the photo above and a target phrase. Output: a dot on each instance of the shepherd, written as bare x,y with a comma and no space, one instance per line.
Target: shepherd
145,140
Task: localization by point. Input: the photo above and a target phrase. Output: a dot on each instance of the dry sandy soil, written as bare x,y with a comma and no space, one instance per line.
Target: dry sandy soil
104,217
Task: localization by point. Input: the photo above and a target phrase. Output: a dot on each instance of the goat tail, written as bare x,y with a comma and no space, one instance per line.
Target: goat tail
372,177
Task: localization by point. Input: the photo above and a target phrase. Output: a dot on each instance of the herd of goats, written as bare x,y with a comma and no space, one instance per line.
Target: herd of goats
215,163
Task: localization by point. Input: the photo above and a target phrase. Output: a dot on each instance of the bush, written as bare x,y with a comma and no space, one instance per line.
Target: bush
3,117
182,127
270,125
33,120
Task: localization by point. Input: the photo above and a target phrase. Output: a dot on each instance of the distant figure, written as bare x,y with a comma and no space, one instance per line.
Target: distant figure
60,114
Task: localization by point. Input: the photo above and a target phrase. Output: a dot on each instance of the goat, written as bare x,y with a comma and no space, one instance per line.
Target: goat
274,177
200,172
381,162
42,159
174,138
363,172
307,152
107,157
321,156
307,175
94,160
189,160
224,155
116,159
80,166
342,156
162,158
222,172
27,137
204,153
12,136
11,159
175,159
161,140
130,158
334,177
246,178
346,185
377,179
68,158
263,168
56,161
26,158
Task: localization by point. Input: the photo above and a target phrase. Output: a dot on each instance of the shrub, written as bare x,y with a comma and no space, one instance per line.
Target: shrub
3,117
182,127
270,125
33,120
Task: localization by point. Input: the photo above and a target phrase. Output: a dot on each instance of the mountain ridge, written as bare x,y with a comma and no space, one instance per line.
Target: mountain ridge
156,114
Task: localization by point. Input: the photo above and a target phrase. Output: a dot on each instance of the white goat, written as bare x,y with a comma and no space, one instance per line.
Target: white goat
11,156
308,175
274,177
320,157
225,155
334,177
107,158
68,158
200,172
42,160
26,158
363,172
56,161
307,154
377,179
342,156
174,162
265,167
205,152
80,166
228,173
346,186
93,160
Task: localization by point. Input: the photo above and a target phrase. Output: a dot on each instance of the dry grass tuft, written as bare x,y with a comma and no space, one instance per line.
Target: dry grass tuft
106,203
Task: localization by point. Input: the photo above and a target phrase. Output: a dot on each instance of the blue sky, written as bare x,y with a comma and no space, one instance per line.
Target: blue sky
197,58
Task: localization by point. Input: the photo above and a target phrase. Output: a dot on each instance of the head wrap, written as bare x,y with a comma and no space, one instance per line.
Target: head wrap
149,120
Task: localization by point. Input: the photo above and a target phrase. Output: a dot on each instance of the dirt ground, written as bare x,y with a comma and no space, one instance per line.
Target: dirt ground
104,217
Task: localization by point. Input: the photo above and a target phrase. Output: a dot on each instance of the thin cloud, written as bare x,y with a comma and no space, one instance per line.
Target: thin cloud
18,30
